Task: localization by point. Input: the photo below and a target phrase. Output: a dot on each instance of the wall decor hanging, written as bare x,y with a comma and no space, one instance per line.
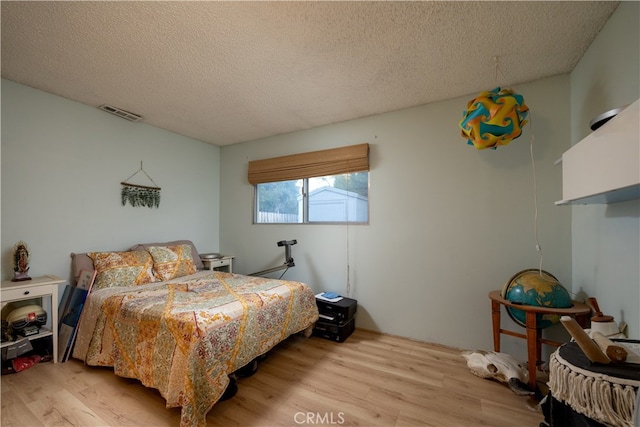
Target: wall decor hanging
494,118
140,195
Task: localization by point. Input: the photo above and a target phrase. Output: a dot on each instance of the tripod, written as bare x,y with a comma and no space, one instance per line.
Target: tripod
288,259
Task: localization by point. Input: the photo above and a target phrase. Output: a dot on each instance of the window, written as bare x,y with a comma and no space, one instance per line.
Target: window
333,198
329,186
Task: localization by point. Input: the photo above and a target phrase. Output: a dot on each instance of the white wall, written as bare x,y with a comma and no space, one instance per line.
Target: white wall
448,223
606,238
62,164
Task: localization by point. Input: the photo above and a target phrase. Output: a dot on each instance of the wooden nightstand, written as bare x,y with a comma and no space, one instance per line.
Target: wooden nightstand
45,287
225,263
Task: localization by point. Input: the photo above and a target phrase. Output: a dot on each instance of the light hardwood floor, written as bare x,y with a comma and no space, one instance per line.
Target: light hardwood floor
369,380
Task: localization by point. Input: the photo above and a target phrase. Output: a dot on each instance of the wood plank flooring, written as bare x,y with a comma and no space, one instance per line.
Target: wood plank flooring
369,380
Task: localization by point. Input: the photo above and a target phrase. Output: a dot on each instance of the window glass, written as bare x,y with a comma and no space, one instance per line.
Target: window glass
339,198
277,202
335,198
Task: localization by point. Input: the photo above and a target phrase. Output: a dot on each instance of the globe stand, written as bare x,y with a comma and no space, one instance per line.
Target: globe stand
533,332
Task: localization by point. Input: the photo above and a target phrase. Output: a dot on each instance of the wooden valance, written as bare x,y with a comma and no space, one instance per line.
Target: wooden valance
335,161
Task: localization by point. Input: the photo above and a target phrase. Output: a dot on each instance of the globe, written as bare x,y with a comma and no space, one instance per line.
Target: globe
538,288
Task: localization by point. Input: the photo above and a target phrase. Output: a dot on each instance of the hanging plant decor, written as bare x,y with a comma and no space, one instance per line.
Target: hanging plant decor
140,195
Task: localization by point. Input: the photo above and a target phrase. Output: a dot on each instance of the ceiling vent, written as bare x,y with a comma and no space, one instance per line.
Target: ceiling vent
121,113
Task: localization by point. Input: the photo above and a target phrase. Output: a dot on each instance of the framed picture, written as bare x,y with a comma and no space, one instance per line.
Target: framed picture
70,310
73,302
85,279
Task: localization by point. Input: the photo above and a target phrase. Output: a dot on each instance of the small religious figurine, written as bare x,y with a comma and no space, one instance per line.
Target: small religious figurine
20,262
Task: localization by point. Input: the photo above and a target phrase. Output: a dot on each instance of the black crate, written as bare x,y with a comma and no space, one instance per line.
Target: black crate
334,331
337,312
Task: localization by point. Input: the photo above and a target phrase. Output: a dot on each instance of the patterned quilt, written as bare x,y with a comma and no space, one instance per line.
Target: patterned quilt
184,336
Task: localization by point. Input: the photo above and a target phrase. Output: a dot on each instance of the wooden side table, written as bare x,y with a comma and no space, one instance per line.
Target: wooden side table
533,334
45,287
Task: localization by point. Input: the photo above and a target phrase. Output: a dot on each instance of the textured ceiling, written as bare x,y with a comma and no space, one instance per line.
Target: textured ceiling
226,72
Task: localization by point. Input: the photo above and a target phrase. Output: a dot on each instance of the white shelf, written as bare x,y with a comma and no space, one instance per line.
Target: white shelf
44,332
612,196
605,166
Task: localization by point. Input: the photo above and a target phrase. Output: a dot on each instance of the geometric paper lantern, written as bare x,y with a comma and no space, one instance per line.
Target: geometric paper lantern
494,118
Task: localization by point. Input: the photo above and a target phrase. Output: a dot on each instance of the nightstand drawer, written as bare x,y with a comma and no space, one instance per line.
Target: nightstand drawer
215,263
25,293
223,264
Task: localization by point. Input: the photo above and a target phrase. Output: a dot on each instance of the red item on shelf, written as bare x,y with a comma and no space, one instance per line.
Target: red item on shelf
22,363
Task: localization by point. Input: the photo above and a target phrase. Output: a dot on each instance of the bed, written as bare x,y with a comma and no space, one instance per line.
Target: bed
183,335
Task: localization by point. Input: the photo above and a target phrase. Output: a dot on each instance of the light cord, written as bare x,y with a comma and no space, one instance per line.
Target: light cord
535,194
498,70
348,250
533,168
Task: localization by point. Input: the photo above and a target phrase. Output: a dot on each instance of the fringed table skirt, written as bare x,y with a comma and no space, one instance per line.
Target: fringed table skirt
604,393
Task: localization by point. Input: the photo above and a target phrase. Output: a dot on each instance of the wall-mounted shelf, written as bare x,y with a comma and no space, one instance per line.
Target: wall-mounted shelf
605,166
612,196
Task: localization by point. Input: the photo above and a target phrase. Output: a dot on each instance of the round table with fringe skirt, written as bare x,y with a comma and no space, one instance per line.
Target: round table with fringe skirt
606,394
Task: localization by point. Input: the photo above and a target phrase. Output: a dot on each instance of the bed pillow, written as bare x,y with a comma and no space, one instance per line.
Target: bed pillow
129,268
170,262
194,252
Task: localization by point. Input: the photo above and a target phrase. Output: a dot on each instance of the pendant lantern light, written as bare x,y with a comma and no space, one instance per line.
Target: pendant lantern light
494,118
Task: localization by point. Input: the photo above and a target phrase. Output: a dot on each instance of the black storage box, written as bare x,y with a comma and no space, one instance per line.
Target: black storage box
334,331
337,312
